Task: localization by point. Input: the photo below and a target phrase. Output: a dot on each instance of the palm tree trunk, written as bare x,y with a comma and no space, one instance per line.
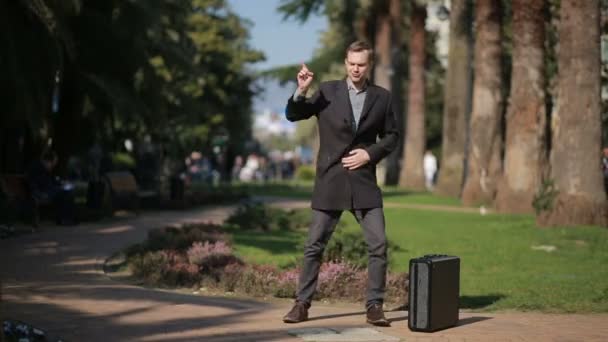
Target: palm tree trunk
457,100
412,175
484,160
382,49
576,124
391,176
1,315
525,150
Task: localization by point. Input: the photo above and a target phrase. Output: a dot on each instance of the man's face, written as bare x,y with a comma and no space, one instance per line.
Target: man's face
357,65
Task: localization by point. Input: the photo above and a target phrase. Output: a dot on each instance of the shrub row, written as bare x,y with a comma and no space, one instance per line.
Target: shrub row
201,255
258,216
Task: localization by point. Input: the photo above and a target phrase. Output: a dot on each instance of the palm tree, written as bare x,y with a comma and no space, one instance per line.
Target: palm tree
525,150
575,123
412,176
484,160
457,101
388,71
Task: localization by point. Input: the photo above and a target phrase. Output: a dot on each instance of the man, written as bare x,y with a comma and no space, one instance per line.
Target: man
429,164
352,114
605,168
46,188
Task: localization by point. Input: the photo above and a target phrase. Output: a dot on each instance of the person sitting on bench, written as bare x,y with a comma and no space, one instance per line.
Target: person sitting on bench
46,188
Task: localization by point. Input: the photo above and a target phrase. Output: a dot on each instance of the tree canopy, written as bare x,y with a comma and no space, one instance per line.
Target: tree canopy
106,69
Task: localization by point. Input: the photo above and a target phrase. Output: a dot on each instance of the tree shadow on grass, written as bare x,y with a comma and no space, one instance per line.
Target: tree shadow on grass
273,242
479,302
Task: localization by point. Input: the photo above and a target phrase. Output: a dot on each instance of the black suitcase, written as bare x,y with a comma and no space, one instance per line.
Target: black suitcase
433,295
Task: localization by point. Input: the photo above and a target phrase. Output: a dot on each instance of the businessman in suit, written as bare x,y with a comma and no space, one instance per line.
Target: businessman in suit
357,128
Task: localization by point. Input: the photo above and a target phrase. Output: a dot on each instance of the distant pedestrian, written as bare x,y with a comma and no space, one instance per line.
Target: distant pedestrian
430,169
605,168
47,188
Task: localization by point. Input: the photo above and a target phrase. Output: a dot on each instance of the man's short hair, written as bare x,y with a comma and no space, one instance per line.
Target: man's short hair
358,46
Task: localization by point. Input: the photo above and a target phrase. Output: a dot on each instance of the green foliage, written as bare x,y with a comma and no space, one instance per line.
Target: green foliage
500,269
300,9
175,70
349,245
123,161
545,197
178,238
258,216
342,16
305,173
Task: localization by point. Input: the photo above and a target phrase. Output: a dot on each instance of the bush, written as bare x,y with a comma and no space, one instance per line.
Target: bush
338,280
305,173
148,267
199,252
181,256
179,238
397,288
162,260
231,277
178,272
545,197
258,280
123,161
258,216
350,246
164,267
211,258
287,283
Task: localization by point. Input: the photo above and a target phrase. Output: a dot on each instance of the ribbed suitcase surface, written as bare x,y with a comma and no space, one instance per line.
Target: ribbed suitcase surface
434,291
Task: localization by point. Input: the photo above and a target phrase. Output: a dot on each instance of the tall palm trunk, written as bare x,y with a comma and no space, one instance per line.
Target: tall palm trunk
576,123
457,100
394,82
412,176
525,150
383,46
484,160
1,315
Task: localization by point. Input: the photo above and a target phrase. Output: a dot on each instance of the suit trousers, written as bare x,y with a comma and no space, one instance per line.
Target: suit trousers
323,225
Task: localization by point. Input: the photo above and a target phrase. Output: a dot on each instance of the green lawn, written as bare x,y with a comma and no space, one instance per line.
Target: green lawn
499,267
394,195
303,190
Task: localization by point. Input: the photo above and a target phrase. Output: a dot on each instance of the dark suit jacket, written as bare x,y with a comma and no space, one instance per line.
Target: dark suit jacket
337,188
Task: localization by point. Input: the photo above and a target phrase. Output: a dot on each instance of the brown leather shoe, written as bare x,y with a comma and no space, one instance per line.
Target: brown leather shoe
375,316
297,314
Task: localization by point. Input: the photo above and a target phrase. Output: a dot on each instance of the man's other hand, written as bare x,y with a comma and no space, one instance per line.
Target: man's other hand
305,77
356,158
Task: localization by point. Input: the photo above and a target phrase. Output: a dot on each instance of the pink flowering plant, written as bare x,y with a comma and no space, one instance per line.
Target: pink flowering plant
198,255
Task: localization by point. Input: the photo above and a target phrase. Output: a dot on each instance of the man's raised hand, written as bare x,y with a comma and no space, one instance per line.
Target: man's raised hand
304,78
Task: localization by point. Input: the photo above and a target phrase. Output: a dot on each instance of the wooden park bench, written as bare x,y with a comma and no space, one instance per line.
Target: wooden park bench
125,193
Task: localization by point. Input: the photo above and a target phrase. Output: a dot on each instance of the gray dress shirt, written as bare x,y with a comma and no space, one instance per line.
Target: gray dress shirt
356,97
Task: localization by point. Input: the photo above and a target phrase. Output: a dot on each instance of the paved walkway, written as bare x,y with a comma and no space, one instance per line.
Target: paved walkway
53,279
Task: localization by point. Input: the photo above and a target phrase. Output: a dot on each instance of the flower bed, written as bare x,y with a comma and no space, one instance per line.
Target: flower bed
195,256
